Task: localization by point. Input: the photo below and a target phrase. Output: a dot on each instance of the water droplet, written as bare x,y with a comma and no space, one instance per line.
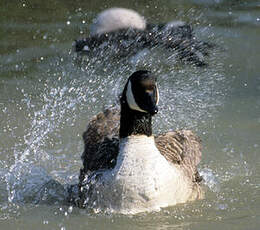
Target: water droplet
70,209
45,222
222,206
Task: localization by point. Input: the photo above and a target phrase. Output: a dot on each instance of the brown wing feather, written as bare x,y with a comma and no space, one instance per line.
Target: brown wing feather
101,141
182,148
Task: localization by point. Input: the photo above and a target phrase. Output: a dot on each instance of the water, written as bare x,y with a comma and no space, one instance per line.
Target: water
46,102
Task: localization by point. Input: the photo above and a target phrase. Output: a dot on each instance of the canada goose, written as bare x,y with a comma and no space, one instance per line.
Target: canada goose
128,170
127,32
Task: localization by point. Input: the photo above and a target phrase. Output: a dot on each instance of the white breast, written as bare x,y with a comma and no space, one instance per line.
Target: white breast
143,180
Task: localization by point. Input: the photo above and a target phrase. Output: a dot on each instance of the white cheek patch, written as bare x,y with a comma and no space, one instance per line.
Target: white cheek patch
131,100
157,95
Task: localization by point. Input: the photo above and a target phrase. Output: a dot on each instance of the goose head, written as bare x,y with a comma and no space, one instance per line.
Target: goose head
141,93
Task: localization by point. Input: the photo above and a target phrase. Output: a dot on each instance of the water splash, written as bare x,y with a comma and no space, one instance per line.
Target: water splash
57,103
210,179
27,183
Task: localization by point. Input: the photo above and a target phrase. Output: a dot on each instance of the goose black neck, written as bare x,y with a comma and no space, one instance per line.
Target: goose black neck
133,122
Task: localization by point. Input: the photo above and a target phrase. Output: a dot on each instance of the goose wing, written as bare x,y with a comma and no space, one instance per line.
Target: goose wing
176,38
101,141
182,148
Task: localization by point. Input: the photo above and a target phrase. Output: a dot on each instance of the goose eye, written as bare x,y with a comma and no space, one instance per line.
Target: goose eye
150,88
